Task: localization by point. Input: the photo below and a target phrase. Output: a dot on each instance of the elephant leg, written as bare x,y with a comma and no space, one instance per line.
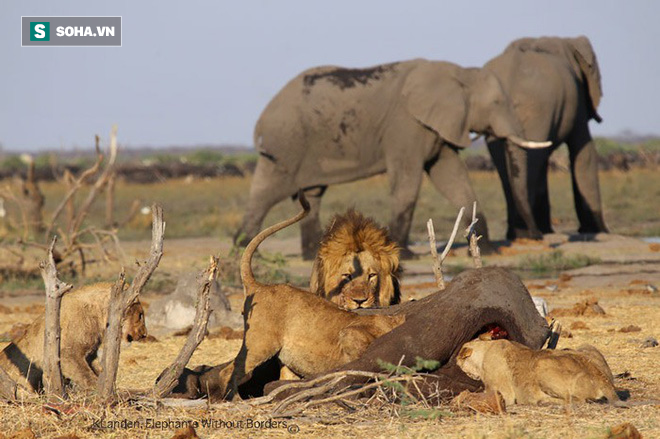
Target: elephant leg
518,172
537,178
584,173
269,187
405,174
497,149
449,175
310,226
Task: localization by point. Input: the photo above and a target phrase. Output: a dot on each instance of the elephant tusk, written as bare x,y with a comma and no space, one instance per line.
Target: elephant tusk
529,143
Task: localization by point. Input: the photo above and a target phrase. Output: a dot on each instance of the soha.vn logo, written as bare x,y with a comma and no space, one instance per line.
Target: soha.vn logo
39,31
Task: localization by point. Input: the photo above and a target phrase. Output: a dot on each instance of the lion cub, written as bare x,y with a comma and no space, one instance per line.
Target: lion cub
308,334
83,317
526,376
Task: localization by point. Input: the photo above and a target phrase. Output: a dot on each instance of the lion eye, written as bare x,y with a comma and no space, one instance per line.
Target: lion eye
373,275
347,276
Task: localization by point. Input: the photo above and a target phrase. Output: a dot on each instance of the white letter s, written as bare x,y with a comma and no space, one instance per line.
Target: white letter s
39,31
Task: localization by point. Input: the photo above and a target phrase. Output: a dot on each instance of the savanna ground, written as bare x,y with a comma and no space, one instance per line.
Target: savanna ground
620,272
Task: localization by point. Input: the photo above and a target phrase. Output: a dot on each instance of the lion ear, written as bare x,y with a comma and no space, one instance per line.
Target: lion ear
315,279
465,352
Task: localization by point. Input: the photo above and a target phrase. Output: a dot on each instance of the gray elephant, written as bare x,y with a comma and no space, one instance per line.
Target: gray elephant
332,125
554,84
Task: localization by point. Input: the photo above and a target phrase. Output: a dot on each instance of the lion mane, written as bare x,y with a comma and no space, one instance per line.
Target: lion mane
357,264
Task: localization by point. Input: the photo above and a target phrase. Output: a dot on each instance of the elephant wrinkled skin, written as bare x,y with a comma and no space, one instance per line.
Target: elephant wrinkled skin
332,125
554,84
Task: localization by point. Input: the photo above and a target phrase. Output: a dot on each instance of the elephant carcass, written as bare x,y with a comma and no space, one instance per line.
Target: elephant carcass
555,87
332,125
437,326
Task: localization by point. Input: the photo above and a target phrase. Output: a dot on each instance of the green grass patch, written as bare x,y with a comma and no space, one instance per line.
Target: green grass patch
556,262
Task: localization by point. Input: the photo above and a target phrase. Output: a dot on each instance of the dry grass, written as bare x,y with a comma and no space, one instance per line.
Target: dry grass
214,207
142,362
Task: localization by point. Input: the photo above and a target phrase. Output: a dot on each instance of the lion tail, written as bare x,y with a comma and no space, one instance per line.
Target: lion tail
247,276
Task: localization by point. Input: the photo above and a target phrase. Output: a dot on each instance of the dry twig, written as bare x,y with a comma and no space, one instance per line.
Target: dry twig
74,184
471,235
437,261
168,378
55,289
317,387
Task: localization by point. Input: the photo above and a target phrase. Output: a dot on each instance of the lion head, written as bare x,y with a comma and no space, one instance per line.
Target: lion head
134,327
356,264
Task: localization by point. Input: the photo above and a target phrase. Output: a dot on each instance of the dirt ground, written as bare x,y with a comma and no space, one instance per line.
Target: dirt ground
624,281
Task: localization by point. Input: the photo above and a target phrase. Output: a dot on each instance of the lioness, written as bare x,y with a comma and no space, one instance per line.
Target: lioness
83,318
308,334
526,376
356,264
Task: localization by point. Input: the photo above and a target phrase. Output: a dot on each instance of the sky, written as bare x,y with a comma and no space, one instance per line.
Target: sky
201,72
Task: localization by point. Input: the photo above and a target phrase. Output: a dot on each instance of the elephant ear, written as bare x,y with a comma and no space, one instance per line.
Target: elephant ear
586,59
435,97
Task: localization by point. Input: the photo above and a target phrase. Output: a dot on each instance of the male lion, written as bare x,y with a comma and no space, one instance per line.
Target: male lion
356,264
526,376
83,318
308,334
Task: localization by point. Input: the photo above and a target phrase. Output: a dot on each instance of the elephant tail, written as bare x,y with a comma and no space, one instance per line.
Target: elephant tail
247,276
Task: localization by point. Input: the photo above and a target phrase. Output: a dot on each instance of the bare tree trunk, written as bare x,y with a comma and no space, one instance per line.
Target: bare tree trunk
168,378
112,339
55,289
110,201
120,300
34,202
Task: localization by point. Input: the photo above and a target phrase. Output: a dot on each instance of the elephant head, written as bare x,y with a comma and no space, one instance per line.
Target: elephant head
579,54
453,101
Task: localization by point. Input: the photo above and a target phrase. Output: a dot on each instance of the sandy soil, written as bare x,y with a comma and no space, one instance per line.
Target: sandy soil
624,283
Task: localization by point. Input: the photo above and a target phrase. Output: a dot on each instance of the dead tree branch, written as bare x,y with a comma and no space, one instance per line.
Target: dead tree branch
110,200
74,185
55,289
328,385
108,377
437,261
120,299
98,185
33,198
471,235
168,378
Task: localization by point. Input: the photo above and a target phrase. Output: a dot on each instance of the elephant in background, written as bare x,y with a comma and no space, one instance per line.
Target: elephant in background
554,85
333,125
